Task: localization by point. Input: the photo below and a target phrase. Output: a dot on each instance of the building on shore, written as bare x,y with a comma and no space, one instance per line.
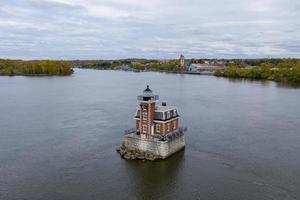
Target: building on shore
205,68
157,132
182,63
125,67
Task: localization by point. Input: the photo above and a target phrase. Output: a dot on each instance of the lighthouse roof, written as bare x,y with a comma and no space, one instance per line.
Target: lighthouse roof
162,113
147,92
148,89
165,108
147,95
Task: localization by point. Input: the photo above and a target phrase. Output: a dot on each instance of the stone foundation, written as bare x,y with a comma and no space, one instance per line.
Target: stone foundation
130,154
137,147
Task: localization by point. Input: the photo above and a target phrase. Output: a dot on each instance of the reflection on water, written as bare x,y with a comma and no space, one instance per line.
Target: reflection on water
265,82
155,179
288,85
243,80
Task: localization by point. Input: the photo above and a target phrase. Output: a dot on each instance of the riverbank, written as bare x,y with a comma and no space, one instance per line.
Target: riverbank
286,71
35,68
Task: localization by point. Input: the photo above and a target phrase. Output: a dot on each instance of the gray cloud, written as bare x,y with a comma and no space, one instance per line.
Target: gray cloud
108,29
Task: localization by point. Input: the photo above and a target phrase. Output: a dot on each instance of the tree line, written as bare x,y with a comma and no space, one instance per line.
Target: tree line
45,67
135,64
285,71
169,66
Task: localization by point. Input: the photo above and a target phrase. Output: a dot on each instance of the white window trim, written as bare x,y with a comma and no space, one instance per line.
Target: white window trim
145,115
168,127
168,115
145,127
175,112
174,124
144,107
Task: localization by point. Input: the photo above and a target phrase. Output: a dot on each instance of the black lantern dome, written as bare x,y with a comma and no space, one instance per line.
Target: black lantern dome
147,95
147,89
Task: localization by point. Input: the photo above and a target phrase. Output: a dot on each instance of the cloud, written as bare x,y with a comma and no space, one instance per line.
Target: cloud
112,29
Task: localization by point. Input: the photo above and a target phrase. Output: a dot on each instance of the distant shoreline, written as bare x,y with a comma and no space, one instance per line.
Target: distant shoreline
219,74
279,70
35,75
35,68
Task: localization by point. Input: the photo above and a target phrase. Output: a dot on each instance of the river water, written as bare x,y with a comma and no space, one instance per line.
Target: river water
58,137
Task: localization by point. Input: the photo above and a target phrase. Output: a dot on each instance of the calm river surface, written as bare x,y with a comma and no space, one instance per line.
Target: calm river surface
58,137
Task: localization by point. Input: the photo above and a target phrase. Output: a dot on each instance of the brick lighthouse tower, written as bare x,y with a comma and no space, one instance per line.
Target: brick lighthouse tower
145,123
156,134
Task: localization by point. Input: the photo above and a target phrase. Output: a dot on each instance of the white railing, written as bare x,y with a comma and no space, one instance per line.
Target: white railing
173,135
152,97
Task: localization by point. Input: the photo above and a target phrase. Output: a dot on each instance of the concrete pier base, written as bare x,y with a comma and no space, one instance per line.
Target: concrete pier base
157,147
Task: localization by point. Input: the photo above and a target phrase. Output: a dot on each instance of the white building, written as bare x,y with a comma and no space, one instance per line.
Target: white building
204,68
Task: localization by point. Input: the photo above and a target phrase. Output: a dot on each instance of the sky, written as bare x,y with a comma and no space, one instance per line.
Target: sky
158,29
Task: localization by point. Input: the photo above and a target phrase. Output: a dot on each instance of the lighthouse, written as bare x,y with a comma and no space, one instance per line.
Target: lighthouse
153,119
157,133
146,112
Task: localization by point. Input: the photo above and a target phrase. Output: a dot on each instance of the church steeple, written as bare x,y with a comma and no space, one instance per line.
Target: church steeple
182,63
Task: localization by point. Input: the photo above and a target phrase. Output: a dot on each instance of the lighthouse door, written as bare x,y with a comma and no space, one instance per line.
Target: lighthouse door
152,130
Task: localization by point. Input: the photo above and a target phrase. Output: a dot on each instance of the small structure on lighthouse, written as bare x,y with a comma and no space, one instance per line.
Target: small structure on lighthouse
157,133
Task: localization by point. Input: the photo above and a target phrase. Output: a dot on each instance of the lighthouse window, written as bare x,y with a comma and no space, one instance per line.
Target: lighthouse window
168,127
145,115
159,116
137,113
168,114
144,128
174,125
144,107
158,128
